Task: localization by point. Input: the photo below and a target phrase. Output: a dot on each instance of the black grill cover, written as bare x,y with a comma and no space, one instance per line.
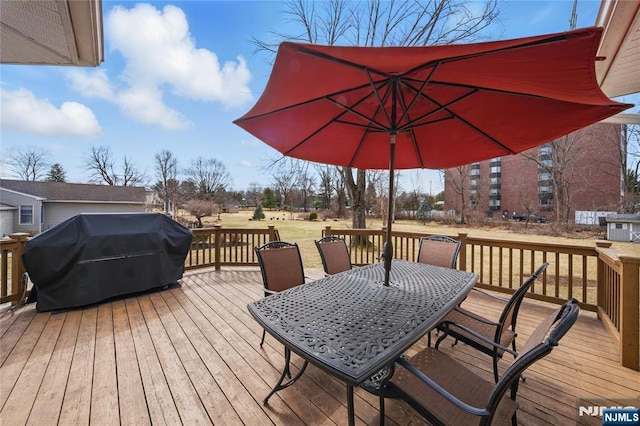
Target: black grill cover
93,257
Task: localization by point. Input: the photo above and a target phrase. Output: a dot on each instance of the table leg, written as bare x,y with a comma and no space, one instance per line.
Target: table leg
286,372
350,409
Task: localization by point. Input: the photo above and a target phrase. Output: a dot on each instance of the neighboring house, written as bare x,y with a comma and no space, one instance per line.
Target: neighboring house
38,206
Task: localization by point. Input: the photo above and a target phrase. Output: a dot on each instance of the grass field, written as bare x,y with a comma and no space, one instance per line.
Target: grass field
293,228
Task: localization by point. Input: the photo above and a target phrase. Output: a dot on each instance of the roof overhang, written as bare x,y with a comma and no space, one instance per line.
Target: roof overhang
618,73
61,32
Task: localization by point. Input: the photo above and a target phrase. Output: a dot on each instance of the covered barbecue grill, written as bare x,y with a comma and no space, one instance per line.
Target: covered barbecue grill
94,257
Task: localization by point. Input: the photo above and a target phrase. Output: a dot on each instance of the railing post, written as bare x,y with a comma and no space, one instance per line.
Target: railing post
272,233
218,247
629,311
462,258
17,267
327,231
600,296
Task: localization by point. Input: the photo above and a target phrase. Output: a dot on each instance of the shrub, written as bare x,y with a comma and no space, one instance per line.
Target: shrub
258,214
313,216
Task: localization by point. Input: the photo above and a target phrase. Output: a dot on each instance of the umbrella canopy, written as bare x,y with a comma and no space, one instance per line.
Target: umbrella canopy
428,107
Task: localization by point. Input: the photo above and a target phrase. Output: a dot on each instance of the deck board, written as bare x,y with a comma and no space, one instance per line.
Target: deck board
191,354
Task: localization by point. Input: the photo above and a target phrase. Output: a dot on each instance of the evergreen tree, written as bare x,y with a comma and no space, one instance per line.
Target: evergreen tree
424,211
269,198
56,174
258,214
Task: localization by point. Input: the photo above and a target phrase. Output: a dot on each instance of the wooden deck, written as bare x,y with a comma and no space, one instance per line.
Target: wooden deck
191,355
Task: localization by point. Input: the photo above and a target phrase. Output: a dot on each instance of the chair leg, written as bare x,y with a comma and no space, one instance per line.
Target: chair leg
263,334
441,338
495,367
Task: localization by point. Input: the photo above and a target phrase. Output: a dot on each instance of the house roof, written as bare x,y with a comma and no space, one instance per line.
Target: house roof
64,32
76,192
627,218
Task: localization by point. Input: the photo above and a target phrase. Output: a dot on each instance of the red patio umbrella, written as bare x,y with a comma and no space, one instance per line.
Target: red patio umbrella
428,107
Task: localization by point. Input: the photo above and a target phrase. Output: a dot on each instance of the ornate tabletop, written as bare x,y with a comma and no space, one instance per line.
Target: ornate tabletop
351,325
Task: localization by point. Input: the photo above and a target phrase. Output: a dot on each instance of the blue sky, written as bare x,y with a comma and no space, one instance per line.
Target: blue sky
178,81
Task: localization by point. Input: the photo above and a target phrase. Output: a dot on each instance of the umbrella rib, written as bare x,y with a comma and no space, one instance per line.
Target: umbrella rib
550,40
418,92
311,52
347,109
416,147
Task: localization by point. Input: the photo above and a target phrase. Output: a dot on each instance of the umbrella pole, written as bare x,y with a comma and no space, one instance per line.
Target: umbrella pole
387,251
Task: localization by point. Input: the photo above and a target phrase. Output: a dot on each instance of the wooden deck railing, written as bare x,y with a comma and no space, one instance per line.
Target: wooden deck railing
597,277
11,267
219,246
602,280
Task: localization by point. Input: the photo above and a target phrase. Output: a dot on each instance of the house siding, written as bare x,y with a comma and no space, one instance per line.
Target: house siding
59,211
16,200
6,222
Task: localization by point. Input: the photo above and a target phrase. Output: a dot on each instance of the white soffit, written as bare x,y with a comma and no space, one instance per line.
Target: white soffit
56,32
619,73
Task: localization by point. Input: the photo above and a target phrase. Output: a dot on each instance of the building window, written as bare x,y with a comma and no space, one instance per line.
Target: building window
26,214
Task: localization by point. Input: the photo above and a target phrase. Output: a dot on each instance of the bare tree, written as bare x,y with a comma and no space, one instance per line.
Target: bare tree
631,184
283,178
559,160
305,182
458,179
102,166
209,176
167,178
624,163
200,209
253,195
100,163
28,164
381,23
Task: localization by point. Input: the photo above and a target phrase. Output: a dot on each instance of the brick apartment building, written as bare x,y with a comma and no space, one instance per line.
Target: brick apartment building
581,171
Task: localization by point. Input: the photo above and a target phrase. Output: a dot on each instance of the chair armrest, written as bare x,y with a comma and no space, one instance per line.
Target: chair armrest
266,290
479,336
475,317
442,391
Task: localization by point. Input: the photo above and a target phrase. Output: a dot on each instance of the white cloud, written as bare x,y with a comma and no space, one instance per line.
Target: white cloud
159,54
21,110
91,84
246,164
145,105
159,48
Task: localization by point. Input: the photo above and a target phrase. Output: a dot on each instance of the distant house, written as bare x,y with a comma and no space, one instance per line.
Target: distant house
34,207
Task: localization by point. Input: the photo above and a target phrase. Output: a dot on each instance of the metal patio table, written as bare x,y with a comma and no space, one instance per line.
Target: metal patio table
352,326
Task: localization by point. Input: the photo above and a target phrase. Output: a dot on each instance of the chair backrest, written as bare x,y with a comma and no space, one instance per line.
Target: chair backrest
439,250
334,254
281,265
509,314
541,342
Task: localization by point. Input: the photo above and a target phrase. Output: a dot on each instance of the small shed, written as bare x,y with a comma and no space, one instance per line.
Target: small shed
623,227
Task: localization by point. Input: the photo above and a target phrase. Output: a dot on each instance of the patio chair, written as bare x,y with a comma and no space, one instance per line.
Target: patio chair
483,334
439,250
281,266
446,392
334,254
